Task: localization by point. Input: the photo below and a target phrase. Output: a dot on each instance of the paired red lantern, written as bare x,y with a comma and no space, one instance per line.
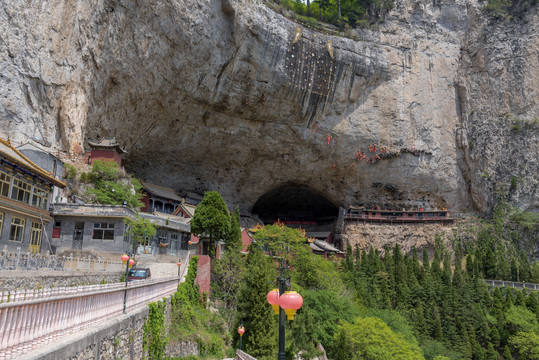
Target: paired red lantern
290,301
131,262
241,330
124,258
273,299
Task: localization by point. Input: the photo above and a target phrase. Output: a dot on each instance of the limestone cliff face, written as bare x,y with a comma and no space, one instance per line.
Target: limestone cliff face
208,94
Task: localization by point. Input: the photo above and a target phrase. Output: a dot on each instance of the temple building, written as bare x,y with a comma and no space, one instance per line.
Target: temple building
105,149
47,161
160,198
25,195
101,228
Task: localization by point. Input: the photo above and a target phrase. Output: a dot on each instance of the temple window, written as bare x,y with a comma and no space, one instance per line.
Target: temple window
17,229
40,198
21,191
5,182
103,231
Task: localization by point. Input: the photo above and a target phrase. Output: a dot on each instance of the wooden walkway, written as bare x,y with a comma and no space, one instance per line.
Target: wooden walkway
513,284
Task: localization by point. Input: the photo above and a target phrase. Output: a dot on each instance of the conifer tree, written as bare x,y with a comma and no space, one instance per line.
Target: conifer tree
343,349
491,354
426,262
255,311
349,261
507,353
470,265
211,219
514,269
233,240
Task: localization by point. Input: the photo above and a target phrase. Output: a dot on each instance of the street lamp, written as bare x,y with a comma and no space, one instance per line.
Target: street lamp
128,263
241,331
179,267
287,304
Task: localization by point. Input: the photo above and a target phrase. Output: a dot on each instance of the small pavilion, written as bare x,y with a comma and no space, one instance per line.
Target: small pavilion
106,149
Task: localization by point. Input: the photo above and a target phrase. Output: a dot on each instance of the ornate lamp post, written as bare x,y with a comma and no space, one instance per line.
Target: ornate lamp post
241,331
288,303
128,263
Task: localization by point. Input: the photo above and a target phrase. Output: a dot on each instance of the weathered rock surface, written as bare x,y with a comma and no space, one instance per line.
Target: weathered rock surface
208,94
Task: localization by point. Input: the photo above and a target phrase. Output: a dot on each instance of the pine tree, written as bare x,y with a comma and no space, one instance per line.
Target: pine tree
254,310
470,265
491,354
343,348
489,263
349,261
507,353
211,219
524,268
436,327
514,269
233,239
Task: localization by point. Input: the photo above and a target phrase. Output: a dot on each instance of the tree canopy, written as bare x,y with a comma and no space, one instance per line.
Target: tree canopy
371,338
140,230
111,185
211,219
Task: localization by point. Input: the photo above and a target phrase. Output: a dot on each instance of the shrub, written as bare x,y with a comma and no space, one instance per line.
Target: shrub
312,22
498,8
70,173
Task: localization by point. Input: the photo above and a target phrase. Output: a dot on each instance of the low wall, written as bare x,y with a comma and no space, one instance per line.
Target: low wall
16,261
31,320
119,338
40,279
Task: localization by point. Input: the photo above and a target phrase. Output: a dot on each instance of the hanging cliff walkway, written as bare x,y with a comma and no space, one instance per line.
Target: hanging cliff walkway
513,284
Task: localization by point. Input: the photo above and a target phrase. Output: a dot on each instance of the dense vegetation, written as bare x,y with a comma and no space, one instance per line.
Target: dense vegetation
191,321
366,13
105,183
341,13
374,304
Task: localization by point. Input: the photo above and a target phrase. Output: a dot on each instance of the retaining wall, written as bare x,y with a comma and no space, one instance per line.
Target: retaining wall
119,338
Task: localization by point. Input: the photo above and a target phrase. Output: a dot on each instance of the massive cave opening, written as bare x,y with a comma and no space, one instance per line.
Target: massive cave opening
295,205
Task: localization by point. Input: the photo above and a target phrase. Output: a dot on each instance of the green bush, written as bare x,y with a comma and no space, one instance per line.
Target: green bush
70,173
312,22
498,8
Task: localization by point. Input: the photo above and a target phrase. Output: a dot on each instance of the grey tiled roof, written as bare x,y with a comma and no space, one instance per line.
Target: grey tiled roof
161,191
320,245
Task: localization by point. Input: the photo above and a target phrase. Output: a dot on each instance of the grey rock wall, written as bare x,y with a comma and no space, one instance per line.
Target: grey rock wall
214,95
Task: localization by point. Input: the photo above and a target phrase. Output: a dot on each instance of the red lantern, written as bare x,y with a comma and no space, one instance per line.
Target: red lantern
124,258
131,262
190,242
179,264
273,299
290,301
241,330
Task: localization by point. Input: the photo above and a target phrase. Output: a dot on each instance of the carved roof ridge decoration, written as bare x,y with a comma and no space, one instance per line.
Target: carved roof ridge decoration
187,209
161,191
107,143
17,158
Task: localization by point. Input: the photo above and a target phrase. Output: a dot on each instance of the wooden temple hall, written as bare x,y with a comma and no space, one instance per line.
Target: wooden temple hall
362,215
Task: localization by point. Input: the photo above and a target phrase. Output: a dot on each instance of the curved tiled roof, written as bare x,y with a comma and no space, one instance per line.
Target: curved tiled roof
15,157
